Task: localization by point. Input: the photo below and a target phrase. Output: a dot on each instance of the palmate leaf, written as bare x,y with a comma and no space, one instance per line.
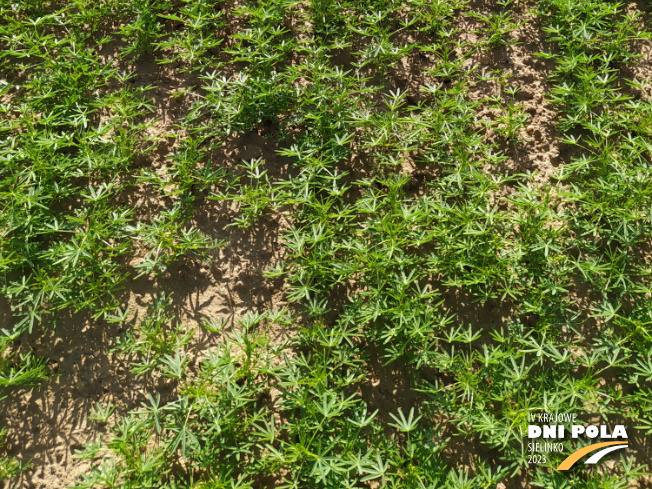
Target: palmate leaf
91,449
462,334
184,439
605,310
360,463
362,419
641,369
377,469
405,424
101,414
325,465
24,370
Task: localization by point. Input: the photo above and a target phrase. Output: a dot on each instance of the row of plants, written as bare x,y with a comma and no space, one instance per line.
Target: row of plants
396,201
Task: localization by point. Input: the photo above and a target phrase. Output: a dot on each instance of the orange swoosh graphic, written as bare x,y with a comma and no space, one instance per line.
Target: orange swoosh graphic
574,457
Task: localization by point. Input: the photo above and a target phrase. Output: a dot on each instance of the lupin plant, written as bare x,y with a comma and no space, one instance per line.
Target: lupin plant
437,297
